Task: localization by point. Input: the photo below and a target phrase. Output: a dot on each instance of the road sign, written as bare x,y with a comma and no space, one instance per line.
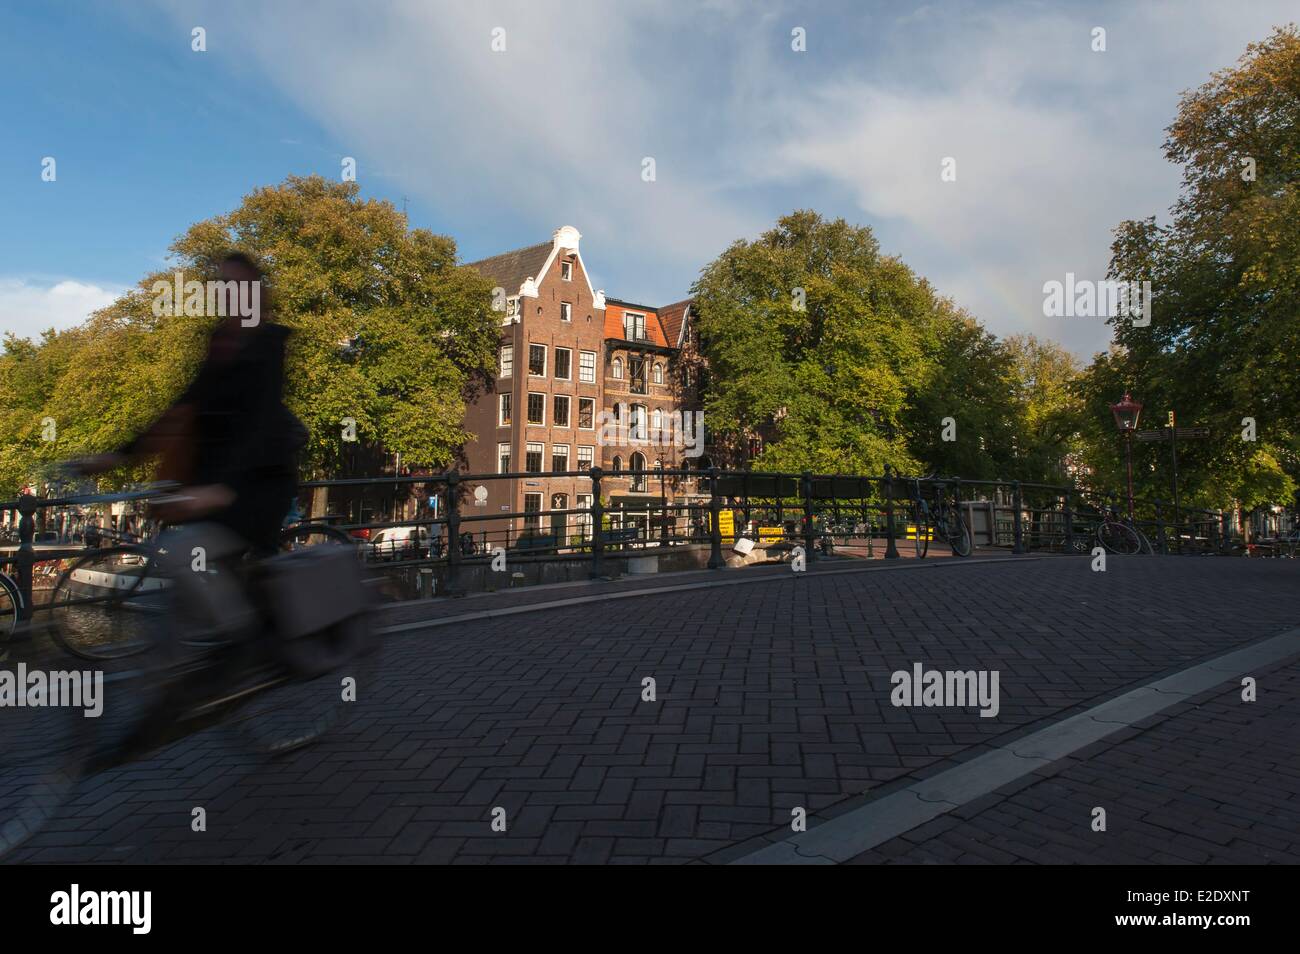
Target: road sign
480,496
1182,433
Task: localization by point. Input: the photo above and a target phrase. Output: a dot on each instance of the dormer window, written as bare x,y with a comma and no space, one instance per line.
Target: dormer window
566,271
633,327
512,307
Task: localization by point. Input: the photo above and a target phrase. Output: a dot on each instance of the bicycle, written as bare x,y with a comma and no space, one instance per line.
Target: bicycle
283,681
946,520
1116,535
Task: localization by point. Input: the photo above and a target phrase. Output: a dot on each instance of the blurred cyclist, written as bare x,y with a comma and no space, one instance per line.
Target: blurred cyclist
232,444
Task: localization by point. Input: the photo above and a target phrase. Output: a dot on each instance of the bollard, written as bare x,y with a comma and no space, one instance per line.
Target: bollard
808,539
715,527
597,512
1018,522
452,585
891,549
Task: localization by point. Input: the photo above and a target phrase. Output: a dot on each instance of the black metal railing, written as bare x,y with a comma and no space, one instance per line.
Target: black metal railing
454,528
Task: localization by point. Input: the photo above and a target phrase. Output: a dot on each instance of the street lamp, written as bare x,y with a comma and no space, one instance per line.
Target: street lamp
1126,414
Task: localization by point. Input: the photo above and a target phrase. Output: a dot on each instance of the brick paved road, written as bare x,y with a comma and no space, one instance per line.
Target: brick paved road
770,695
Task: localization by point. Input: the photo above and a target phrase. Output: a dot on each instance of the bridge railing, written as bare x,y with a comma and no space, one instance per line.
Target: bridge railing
709,508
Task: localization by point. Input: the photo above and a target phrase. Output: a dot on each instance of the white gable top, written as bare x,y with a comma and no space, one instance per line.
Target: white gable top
565,239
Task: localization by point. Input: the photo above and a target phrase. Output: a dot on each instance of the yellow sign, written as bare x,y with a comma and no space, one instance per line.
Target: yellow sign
727,524
771,533
1171,419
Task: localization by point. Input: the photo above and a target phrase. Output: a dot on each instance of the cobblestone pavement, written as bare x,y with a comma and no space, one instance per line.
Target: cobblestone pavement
770,695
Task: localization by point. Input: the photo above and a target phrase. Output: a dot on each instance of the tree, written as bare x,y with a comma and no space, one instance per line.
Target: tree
1225,273
813,339
388,331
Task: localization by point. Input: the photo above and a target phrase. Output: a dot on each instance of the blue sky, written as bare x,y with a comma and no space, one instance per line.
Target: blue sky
1055,144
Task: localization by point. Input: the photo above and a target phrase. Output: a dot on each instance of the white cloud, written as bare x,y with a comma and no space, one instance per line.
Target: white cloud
28,307
1055,144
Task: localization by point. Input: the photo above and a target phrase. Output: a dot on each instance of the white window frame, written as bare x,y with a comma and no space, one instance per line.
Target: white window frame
616,369
578,423
546,357
543,395
554,449
503,399
586,375
638,423
568,351
590,455
507,451
657,376
506,361
566,311
541,456
566,271
568,418
636,318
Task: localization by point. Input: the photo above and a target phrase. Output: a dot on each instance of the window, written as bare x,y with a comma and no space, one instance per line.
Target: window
618,367
638,480
512,307
659,373
587,366
587,413
617,466
559,457
584,457
532,512
634,327
503,458
537,360
637,424
583,520
533,458
657,422
566,273
566,311
507,360
561,416
537,409
564,364
503,415
636,372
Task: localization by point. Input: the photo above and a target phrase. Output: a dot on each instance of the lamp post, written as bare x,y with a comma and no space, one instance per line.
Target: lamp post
1127,412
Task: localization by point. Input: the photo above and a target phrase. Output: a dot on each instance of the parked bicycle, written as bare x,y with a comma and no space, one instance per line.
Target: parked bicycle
943,517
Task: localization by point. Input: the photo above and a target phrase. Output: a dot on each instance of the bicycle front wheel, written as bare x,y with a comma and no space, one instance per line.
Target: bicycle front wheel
921,540
10,602
1117,538
105,605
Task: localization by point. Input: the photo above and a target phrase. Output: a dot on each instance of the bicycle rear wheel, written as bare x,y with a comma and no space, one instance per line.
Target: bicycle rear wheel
328,678
99,607
1118,538
957,533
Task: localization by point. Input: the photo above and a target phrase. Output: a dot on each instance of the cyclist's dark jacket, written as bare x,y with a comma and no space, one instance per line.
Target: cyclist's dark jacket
244,436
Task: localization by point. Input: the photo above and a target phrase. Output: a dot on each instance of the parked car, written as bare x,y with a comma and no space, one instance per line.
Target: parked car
399,543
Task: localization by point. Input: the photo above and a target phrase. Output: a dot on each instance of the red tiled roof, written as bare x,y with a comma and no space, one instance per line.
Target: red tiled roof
614,311
671,317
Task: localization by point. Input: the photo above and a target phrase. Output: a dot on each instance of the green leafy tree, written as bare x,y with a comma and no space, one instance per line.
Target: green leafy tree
388,331
1225,273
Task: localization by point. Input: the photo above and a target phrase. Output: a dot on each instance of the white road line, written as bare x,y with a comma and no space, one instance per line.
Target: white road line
861,829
